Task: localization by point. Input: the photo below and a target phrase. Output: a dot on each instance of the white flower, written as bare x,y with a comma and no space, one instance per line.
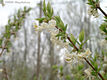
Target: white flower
44,25
105,58
86,54
75,57
57,41
88,72
103,42
1,70
39,28
102,72
70,58
93,12
102,32
52,23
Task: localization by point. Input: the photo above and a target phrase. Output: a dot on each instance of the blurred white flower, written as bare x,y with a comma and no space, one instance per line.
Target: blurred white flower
103,42
93,12
52,23
45,26
102,32
1,70
70,58
58,41
76,57
105,59
102,72
88,72
85,54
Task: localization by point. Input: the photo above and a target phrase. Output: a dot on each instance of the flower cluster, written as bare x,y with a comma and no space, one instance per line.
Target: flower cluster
50,25
75,57
57,41
103,43
92,11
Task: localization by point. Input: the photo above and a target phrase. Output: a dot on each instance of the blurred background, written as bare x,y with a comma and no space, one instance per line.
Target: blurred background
32,55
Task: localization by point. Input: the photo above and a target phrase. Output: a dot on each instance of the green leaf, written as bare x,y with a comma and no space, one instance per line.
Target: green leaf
9,44
82,44
97,1
93,73
29,9
1,61
72,39
40,19
103,27
61,68
96,66
1,42
44,7
80,67
81,36
68,77
54,67
49,7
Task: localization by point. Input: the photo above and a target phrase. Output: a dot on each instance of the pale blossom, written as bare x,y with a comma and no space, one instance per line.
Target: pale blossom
52,23
1,70
93,12
70,58
76,57
88,72
57,41
103,42
85,54
102,72
45,26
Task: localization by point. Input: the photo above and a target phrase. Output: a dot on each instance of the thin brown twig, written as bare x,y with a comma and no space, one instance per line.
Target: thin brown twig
102,11
3,48
5,71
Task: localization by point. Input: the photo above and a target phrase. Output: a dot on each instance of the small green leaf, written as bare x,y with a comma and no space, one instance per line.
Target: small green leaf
103,27
1,61
80,67
73,39
44,6
40,19
81,36
49,7
54,67
68,77
97,1
0,42
61,68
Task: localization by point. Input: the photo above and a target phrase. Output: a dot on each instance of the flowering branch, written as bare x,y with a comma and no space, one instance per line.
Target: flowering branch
11,29
48,22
